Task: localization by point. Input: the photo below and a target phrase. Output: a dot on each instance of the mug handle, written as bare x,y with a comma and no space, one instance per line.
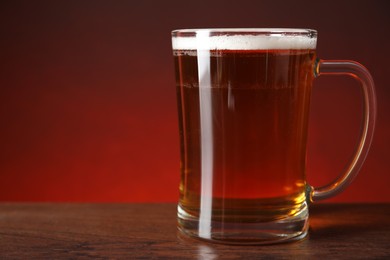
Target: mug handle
359,72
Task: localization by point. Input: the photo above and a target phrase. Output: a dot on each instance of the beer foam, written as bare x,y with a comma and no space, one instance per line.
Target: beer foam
279,41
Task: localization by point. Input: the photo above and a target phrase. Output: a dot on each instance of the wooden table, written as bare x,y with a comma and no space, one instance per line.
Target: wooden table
144,231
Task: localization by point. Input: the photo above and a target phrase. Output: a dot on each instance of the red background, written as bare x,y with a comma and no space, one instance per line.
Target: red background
88,105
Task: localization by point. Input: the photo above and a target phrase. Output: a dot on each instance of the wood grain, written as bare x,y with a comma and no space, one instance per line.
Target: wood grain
148,231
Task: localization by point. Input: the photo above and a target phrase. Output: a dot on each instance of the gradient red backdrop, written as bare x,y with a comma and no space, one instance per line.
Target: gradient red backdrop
88,105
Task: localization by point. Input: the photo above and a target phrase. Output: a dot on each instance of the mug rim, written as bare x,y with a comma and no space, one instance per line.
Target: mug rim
243,39
246,31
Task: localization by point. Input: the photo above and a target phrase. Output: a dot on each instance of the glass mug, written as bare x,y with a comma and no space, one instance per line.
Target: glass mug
243,101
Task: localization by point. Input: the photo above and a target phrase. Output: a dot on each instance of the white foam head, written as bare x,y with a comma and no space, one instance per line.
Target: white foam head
244,39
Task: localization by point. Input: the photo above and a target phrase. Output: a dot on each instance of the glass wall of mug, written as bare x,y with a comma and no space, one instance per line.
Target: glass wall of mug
243,101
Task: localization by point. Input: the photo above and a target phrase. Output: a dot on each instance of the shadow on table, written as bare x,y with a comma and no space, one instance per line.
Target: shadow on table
346,221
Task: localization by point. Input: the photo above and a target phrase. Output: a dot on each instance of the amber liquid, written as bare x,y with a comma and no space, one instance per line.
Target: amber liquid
243,127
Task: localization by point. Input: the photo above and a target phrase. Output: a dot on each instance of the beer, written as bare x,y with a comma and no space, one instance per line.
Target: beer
243,116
